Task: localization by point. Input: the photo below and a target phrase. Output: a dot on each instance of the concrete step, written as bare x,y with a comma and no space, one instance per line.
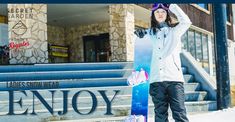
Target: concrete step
188,78
83,103
118,111
70,67
201,106
76,83
109,119
124,90
66,67
59,75
70,83
192,86
85,99
191,107
195,95
77,77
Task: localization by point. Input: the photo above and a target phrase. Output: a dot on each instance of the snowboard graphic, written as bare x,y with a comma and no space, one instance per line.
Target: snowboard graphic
140,78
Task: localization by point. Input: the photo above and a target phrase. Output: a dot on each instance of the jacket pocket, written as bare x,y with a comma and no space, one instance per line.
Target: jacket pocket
175,63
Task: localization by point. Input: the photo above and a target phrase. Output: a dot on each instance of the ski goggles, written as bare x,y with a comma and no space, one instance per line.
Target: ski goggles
160,5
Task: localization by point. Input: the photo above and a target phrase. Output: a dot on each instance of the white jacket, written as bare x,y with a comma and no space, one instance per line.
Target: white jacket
166,64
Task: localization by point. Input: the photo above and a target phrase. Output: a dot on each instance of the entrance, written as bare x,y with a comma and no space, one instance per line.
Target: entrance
96,48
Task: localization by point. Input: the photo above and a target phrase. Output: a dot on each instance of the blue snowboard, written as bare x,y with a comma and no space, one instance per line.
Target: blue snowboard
142,63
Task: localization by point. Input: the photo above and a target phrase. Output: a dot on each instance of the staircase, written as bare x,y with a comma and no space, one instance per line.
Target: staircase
196,98
81,77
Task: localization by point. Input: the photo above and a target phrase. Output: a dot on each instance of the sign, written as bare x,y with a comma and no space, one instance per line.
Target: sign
19,28
59,51
14,45
20,13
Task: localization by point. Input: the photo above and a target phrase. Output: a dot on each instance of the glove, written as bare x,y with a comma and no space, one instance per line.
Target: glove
140,33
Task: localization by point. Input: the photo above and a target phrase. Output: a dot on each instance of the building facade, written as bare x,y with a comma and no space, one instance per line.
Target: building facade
41,33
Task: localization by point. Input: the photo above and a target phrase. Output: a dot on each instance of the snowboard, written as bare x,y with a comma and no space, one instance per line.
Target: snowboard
139,79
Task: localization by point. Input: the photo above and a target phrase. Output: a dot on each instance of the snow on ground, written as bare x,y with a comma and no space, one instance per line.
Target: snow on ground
226,115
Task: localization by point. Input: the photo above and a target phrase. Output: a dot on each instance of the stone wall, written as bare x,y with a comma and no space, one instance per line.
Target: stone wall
73,37
130,28
28,33
56,35
121,31
120,28
33,34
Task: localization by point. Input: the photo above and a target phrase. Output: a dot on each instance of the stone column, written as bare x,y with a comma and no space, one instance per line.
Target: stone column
122,32
27,33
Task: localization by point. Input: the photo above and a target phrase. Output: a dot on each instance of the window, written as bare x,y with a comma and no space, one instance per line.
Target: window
202,7
205,53
197,44
191,43
184,40
213,55
205,6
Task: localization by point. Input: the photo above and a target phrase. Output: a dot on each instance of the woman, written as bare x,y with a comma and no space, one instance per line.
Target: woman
166,76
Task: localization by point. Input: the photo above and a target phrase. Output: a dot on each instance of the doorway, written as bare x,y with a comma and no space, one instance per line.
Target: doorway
96,48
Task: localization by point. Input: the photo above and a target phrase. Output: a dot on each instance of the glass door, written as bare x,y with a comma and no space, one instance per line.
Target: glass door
96,48
89,49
